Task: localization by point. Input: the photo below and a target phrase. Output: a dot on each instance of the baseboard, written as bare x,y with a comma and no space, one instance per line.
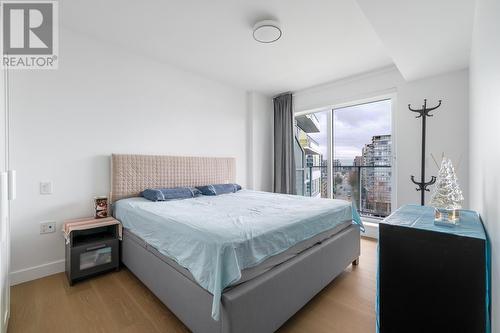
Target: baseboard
36,272
371,230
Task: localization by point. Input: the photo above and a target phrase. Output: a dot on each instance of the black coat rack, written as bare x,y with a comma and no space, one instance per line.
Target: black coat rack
422,184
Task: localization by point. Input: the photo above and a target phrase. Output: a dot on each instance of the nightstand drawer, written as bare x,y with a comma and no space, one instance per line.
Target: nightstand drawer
94,256
91,258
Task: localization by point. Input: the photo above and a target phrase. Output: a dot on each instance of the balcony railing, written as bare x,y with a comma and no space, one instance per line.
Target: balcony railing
368,186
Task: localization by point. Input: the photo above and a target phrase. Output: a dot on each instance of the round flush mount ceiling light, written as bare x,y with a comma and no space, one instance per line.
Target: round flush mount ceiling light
267,31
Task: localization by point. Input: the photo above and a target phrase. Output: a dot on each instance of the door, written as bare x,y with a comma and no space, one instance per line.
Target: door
363,154
312,154
4,208
347,152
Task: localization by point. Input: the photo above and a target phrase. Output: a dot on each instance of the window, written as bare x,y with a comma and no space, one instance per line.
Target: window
311,134
346,153
362,147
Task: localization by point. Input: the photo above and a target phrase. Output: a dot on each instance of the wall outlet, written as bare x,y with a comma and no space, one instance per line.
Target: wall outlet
47,227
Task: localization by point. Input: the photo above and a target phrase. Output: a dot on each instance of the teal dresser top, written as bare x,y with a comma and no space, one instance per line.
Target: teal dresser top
422,217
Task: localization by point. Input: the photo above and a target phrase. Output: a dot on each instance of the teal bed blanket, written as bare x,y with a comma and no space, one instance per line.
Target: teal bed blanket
216,237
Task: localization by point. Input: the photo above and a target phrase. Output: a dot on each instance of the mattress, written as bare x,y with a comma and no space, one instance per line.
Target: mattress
252,272
217,238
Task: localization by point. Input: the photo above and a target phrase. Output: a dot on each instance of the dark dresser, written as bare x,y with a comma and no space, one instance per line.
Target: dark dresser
432,278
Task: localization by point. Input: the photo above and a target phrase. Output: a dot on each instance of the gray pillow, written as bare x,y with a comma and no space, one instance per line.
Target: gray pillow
217,189
166,194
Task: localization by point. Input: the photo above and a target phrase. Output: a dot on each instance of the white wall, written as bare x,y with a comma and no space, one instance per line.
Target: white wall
260,141
447,131
103,100
485,133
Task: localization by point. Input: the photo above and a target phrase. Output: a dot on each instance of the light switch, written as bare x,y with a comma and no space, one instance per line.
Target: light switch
46,187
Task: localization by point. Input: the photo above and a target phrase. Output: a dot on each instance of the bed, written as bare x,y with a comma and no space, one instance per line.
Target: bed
238,262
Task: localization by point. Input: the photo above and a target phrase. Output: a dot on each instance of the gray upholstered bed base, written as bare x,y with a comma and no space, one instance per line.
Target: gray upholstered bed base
262,304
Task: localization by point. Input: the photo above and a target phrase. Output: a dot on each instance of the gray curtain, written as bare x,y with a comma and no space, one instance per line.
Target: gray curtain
284,162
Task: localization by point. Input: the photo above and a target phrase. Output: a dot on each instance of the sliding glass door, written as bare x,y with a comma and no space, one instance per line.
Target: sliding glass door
346,153
312,153
362,150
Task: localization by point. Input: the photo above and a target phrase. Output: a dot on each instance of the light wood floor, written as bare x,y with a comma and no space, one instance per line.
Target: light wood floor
119,302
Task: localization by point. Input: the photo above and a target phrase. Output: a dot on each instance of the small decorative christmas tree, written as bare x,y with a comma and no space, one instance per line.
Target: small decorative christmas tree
447,196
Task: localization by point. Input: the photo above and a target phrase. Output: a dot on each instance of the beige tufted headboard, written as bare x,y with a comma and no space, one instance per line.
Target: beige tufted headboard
131,174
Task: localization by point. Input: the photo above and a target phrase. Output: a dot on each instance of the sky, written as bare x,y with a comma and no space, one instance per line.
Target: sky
353,127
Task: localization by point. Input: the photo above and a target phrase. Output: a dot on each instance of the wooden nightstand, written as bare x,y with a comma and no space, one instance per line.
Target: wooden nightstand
92,247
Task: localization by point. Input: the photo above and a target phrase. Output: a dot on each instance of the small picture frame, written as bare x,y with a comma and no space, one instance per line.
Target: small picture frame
100,207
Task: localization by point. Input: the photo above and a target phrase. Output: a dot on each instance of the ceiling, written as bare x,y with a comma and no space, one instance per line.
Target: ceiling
424,37
323,40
